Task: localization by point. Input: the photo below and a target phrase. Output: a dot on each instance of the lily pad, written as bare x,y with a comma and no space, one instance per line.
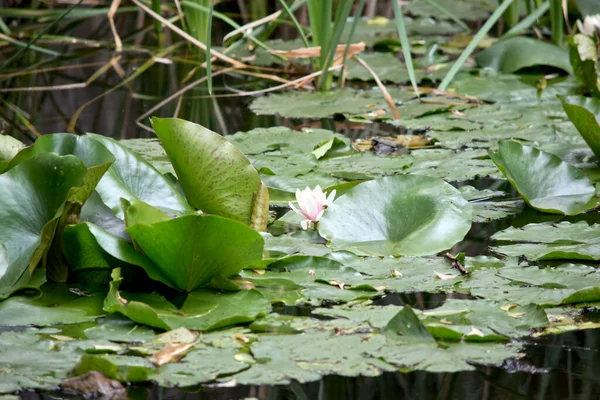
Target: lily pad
215,176
582,112
192,250
520,52
133,178
34,196
202,310
281,140
545,182
403,215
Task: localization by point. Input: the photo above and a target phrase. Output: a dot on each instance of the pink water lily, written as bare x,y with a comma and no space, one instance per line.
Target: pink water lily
312,203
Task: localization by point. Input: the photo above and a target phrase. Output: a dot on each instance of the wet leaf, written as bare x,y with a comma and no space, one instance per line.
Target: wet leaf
545,182
215,176
408,215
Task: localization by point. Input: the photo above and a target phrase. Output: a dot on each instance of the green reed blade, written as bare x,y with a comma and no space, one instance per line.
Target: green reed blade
399,18
474,42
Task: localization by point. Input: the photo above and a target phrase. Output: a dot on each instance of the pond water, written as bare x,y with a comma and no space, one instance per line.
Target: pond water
558,358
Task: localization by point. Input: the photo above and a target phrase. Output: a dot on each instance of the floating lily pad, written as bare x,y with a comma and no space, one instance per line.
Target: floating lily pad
545,182
281,140
202,310
409,215
519,52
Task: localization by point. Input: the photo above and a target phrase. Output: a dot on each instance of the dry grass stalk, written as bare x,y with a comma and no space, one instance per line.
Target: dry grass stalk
386,95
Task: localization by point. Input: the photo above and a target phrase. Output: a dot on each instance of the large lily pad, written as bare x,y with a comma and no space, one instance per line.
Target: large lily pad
403,215
33,200
192,250
215,176
545,182
133,178
520,52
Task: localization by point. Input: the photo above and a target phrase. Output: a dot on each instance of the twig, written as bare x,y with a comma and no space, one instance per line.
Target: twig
456,264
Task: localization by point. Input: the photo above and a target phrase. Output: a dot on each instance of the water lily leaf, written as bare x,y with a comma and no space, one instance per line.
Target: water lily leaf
96,158
122,368
405,328
402,215
522,52
133,178
562,240
584,59
30,362
56,304
281,140
193,249
364,165
34,196
293,165
89,246
456,319
545,182
389,68
215,176
202,310
152,151
452,165
582,112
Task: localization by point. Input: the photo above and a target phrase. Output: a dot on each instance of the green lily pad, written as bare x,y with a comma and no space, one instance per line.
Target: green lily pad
215,176
364,165
89,246
133,178
193,249
202,310
34,196
520,52
582,112
281,140
96,158
30,362
545,182
152,151
403,215
55,304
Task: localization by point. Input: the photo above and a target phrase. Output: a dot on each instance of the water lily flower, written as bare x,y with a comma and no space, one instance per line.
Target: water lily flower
591,24
312,203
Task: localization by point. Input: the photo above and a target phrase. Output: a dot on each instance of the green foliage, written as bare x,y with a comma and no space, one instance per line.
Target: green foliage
545,182
409,215
582,112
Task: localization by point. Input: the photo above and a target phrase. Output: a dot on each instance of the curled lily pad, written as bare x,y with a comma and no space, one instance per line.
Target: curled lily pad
193,249
133,178
545,182
34,194
401,215
215,176
583,113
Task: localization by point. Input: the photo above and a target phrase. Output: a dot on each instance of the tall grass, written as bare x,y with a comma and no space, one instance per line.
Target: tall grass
326,35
